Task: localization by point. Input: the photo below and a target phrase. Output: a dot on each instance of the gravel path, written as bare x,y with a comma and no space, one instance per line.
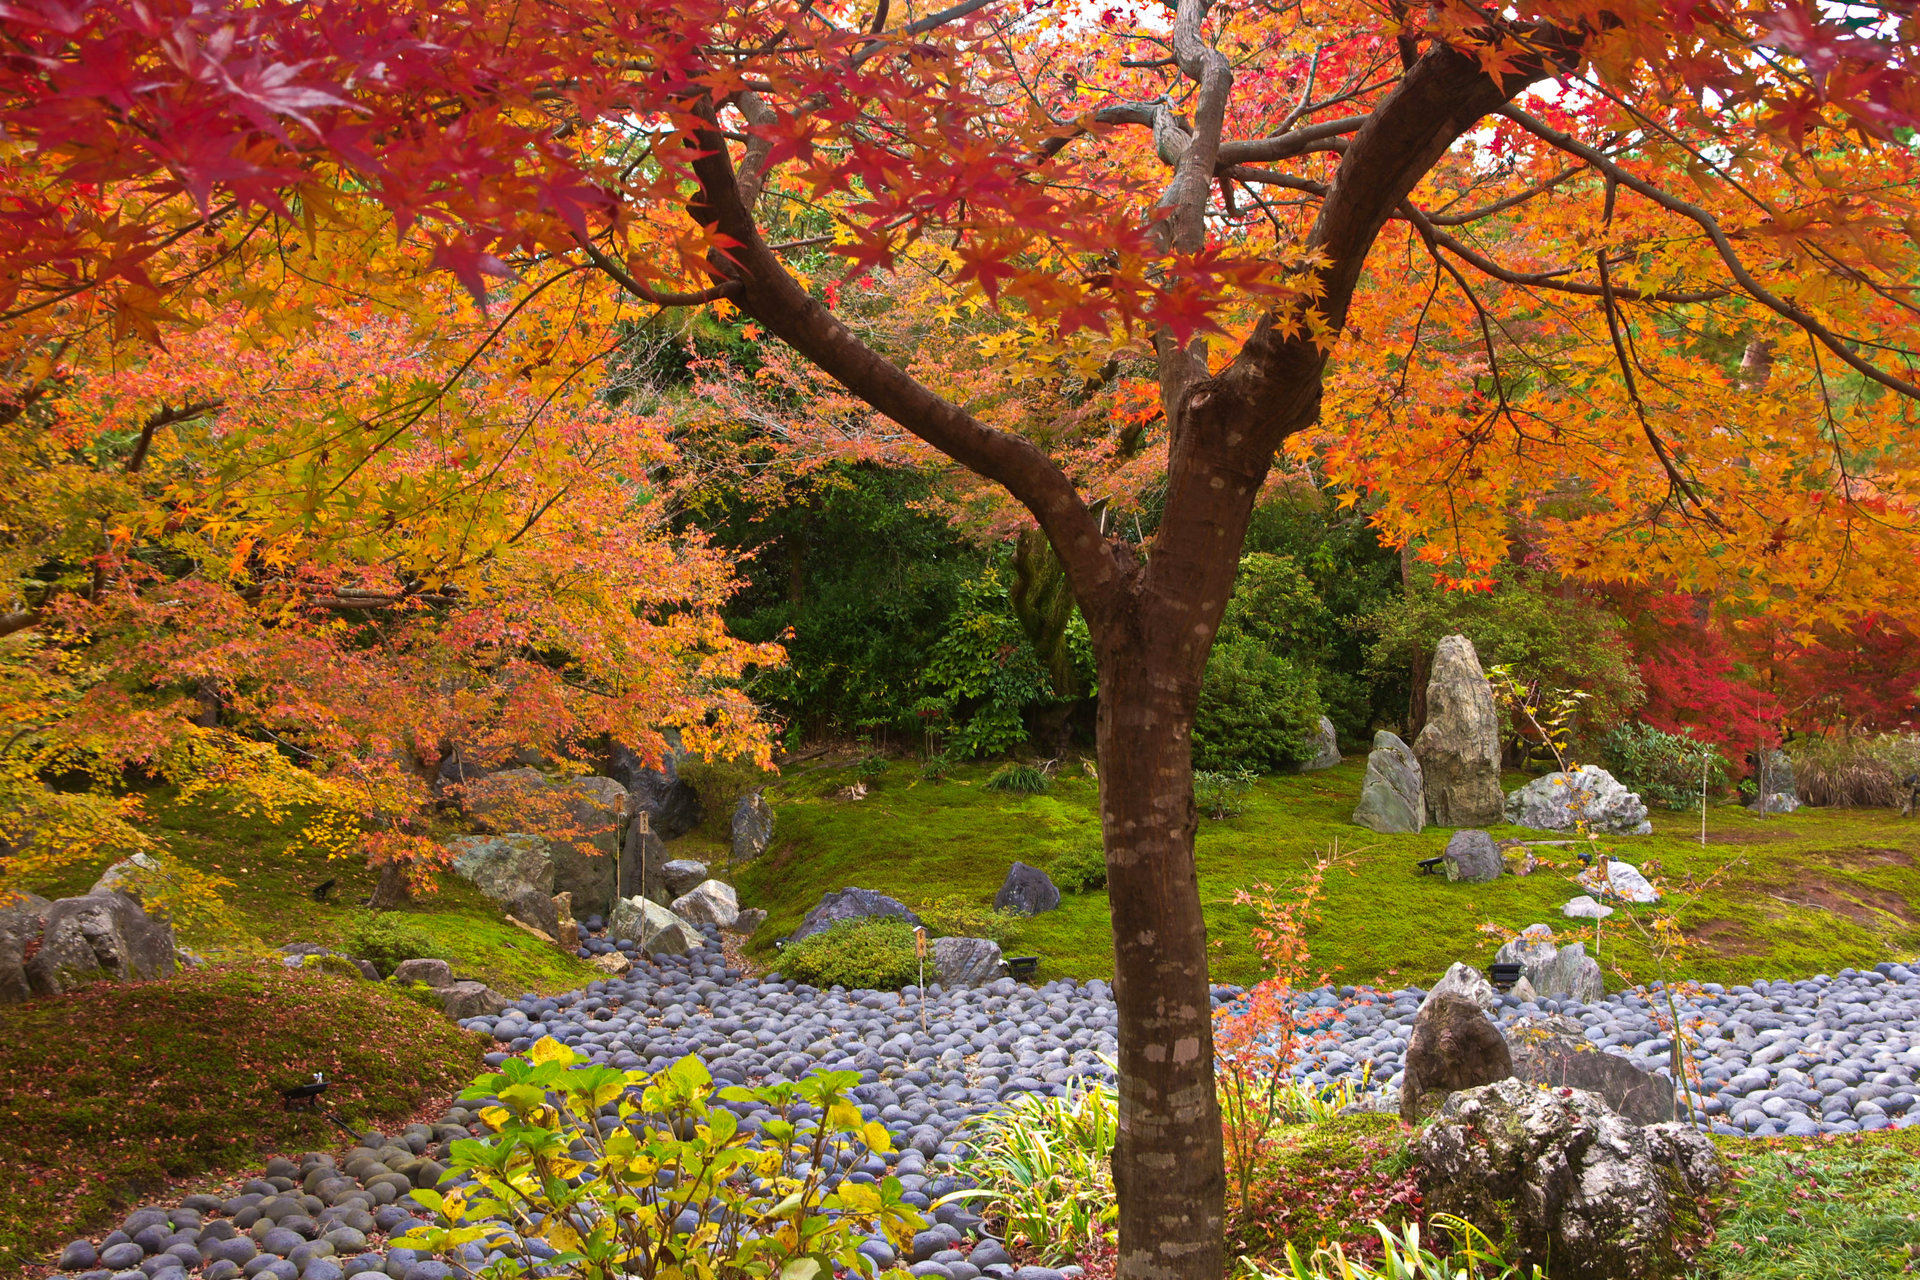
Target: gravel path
1825,1055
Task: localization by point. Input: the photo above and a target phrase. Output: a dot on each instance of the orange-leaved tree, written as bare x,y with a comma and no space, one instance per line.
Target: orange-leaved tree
297,561
1631,280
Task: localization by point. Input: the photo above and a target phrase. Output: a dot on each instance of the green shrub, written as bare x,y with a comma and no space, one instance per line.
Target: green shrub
936,767
762,1204
1045,1172
1020,779
1257,710
386,938
870,768
1079,870
1663,767
871,952
955,916
720,784
1222,793
1858,771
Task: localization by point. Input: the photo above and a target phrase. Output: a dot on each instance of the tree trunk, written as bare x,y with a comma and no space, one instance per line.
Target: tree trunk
1167,1165
393,890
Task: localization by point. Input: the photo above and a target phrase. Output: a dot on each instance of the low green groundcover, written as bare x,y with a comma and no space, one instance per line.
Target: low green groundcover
107,1093
872,951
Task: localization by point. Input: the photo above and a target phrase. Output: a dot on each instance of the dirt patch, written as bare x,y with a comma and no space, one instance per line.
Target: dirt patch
1856,902
1749,835
1727,938
1866,856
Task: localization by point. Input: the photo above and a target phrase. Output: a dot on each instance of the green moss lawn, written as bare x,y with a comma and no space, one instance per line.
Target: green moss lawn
272,902
1791,895
108,1093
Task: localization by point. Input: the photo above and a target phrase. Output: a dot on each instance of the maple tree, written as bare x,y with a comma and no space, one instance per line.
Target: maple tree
1652,313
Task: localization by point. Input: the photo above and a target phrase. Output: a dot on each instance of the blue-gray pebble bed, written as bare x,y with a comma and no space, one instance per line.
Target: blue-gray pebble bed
1825,1055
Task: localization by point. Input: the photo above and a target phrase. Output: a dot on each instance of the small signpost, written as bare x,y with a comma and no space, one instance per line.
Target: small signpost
920,948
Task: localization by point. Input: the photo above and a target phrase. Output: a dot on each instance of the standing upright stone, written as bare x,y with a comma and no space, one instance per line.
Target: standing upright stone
1326,747
1391,798
1459,749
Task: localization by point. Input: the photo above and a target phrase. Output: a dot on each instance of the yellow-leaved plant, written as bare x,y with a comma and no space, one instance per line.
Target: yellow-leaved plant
623,1173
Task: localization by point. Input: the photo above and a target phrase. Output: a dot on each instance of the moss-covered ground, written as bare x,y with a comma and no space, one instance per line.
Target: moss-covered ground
108,1093
273,901
1789,895
1838,1208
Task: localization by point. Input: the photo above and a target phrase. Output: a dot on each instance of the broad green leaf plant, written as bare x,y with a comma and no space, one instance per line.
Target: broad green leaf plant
668,1187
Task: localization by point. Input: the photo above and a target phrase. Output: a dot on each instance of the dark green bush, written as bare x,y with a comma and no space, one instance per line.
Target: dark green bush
1021,779
1079,870
1663,767
386,939
1257,710
720,784
1222,793
872,952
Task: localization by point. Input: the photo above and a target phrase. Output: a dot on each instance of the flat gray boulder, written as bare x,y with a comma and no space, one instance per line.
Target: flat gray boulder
1587,795
709,902
681,874
966,962
1326,747
1555,972
471,1000
1585,908
1392,797
101,935
1027,891
752,826
1459,746
22,919
504,866
850,904
1618,881
653,927
435,973
1556,1051
1473,857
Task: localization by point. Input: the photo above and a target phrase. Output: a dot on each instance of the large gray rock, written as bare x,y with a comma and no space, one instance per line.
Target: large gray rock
1612,879
503,866
1392,798
849,904
133,875
1027,891
1473,857
585,814
1773,777
1556,972
1326,747
22,918
1585,908
672,806
435,973
966,962
103,935
1464,982
471,1000
709,902
748,921
1459,746
681,874
656,929
1566,1183
1453,1047
1587,795
752,826
514,870
1556,1051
